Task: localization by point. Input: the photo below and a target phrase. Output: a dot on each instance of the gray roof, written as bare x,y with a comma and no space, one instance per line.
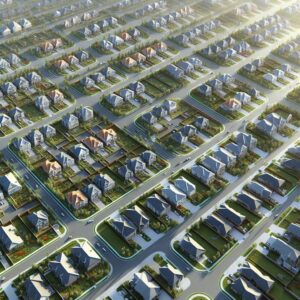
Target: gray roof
123,227
202,173
244,139
190,246
212,164
231,215
36,287
271,181
249,201
221,226
185,186
146,286
294,230
259,189
236,149
158,203
224,156
245,289
38,216
136,216
170,274
9,181
292,164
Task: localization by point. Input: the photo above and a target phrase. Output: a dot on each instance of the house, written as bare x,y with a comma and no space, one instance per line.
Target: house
188,130
256,277
136,165
170,106
63,270
108,136
137,217
21,83
226,79
48,131
35,137
248,201
22,145
174,196
129,62
157,205
124,228
8,88
144,285
17,114
259,190
201,122
137,87
125,173
85,113
52,168
42,103
266,127
182,39
14,26
239,151
36,288
104,182
214,165
135,33
231,104
77,199
294,230
125,36
116,40
185,186
61,65
159,112
56,96
80,152
10,184
70,121
291,164
270,77
203,174
205,90
225,157
218,225
278,120
97,77
33,78
86,256
107,45
243,97
216,84
230,215
193,249
186,66
279,73
72,60
9,237
148,157
14,60
92,144
245,289
289,257
247,140
5,31
272,182
87,82
82,55
160,47
149,118
4,64
149,52
295,151
114,100
65,160
249,68
85,32
174,71
196,62
127,94
171,275
39,219
179,137
5,120
92,192
154,24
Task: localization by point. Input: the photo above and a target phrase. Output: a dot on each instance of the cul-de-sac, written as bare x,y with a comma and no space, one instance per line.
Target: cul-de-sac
149,149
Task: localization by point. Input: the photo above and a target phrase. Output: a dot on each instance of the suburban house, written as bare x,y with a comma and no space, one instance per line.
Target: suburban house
126,230
80,152
144,285
248,201
174,71
42,103
85,113
5,120
22,145
173,195
189,246
231,104
93,144
205,90
108,137
201,122
260,190
86,256
171,275
245,289
127,94
247,140
239,151
56,96
39,219
63,270
52,168
35,137
294,231
186,66
65,160
218,225
291,164
179,137
114,100
104,182
272,182
169,105
129,62
203,174
70,121
256,277
92,192
77,199
98,77
149,118
37,289
225,157
136,165
137,217
185,186
9,237
10,184
230,215
289,257
148,157
87,82
214,165
125,173
243,97
137,87
157,205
